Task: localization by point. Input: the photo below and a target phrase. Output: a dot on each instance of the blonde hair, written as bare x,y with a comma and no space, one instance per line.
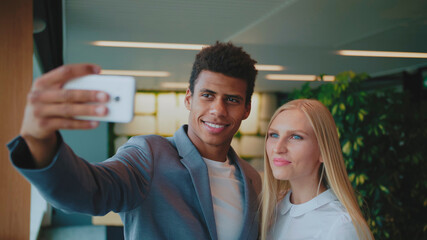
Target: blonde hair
336,174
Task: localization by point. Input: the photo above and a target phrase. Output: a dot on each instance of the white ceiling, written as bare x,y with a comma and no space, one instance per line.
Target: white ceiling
301,35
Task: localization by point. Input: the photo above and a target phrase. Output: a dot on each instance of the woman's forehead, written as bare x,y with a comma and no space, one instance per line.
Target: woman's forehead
292,119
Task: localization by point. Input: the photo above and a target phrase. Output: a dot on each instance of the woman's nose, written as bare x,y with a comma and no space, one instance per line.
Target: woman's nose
280,146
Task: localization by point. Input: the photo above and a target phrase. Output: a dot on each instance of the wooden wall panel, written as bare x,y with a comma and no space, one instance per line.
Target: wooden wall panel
16,48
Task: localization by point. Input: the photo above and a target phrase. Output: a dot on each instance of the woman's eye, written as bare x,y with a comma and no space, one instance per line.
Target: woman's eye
273,135
297,137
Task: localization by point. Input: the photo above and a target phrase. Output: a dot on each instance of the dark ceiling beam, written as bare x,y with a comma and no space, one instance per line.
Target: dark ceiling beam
47,34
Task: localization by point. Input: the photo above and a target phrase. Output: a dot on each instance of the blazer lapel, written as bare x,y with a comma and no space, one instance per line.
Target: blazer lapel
250,214
198,171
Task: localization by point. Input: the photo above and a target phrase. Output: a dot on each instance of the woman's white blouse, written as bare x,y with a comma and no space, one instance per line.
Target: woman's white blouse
323,217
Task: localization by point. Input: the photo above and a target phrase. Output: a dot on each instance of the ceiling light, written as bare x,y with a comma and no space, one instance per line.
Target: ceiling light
327,78
179,46
360,53
261,67
136,73
299,77
175,85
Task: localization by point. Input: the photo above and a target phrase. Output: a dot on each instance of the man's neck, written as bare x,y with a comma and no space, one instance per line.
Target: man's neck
215,153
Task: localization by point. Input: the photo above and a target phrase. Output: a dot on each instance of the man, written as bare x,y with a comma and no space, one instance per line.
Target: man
189,186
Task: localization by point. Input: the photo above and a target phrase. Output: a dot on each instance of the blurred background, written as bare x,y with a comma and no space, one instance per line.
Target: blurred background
365,60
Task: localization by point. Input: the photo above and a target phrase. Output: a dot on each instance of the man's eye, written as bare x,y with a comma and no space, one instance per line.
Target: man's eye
206,95
234,100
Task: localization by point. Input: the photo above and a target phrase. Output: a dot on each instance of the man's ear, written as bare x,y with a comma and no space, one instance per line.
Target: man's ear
247,110
188,98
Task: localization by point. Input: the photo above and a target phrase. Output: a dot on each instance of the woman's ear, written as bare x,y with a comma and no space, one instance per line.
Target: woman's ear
320,159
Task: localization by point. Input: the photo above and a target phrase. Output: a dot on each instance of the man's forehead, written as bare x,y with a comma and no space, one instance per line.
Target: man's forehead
213,81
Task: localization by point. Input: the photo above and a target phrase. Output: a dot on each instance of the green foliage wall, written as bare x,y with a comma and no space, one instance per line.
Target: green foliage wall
383,137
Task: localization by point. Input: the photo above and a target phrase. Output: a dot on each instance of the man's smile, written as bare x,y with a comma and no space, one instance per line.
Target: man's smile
214,127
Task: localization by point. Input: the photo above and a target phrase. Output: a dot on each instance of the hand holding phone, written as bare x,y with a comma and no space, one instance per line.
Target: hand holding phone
49,108
121,90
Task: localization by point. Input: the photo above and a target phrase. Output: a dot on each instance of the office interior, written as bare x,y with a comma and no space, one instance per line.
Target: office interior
294,42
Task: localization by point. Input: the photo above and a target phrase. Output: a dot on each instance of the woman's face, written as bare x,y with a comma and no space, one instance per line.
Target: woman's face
292,148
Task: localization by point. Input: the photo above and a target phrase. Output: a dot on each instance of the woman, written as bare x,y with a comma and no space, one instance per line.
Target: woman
306,191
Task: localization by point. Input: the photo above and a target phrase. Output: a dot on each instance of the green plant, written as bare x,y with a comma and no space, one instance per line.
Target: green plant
382,134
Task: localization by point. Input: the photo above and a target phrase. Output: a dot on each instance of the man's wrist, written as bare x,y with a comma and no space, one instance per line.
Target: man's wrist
42,150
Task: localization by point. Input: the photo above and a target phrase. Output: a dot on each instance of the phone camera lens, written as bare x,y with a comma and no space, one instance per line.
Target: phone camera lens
117,98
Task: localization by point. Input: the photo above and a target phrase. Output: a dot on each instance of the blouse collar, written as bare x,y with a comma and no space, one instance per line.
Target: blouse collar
297,210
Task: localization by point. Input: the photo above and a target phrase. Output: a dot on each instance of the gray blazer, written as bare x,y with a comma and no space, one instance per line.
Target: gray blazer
159,186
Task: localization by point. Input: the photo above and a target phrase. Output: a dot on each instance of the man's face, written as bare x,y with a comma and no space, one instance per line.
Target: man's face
217,107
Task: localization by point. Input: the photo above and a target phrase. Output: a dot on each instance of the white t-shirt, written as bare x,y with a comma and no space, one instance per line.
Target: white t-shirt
227,198
323,217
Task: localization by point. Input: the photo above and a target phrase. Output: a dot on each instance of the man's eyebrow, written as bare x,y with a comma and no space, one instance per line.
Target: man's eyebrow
235,96
207,90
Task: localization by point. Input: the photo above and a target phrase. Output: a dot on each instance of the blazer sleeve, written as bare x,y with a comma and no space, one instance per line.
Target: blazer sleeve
72,184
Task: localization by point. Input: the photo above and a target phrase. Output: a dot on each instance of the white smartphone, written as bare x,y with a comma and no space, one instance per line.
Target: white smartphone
121,90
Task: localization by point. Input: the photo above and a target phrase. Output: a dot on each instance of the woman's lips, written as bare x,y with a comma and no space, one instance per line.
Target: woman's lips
278,162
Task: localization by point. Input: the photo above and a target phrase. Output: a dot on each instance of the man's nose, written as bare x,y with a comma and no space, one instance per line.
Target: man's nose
218,108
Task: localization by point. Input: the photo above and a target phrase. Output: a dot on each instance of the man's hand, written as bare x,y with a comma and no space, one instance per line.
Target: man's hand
50,108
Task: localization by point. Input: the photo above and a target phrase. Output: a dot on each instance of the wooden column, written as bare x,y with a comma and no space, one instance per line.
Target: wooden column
16,49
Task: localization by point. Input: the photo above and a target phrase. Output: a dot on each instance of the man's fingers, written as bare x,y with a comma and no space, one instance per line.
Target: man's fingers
60,75
68,110
67,95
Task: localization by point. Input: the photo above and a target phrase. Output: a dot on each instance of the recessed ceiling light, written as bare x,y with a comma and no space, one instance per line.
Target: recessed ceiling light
175,85
261,67
360,53
179,46
136,73
298,77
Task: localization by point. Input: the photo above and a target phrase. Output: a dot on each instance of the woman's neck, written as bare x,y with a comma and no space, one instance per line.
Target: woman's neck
302,193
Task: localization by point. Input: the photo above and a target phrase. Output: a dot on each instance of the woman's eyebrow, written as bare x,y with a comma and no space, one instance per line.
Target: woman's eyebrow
299,131
289,131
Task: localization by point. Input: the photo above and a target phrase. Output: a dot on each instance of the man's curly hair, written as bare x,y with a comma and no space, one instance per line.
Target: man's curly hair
229,60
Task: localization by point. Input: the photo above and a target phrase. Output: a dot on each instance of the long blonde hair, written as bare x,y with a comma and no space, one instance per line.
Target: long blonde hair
336,175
